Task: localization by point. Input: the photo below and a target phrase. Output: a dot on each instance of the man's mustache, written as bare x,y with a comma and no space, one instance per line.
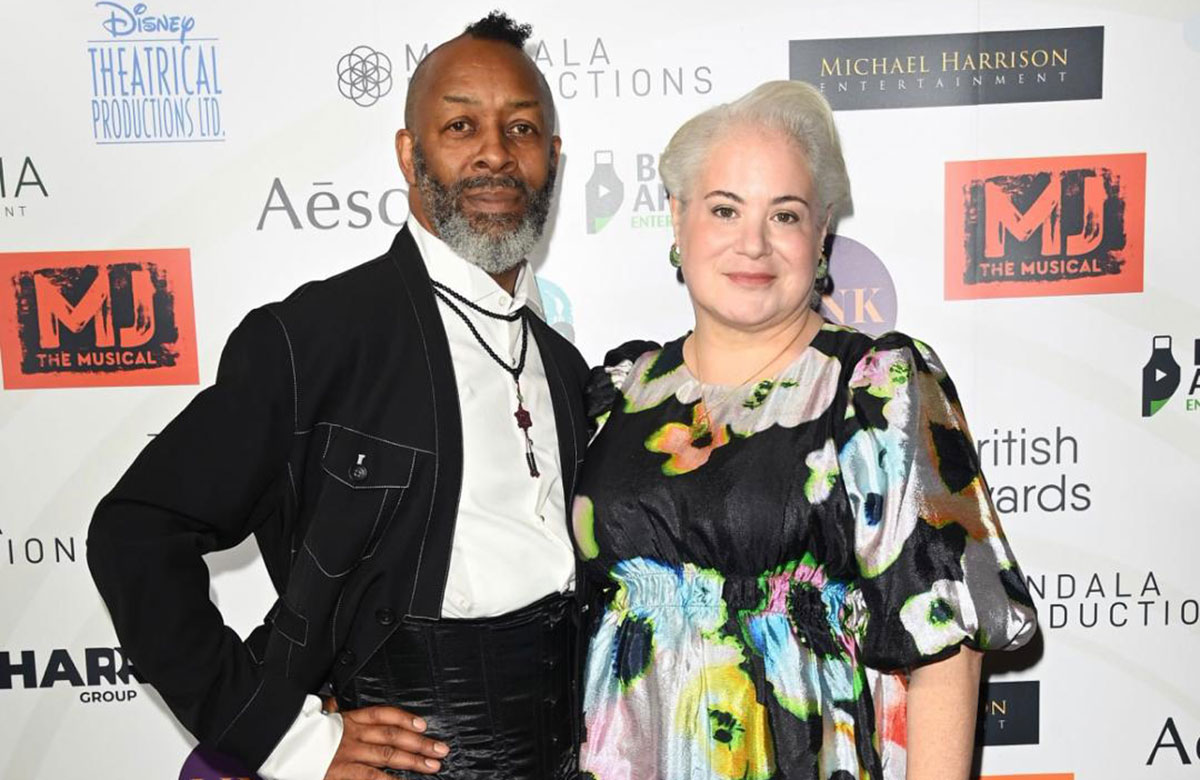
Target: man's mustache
490,183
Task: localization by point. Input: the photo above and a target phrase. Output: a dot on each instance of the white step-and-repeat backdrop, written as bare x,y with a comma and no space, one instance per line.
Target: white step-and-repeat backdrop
1025,177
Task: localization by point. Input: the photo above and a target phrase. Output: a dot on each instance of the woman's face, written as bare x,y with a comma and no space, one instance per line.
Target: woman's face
751,231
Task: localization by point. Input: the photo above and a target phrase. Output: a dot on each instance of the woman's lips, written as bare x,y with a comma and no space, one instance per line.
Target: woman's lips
749,279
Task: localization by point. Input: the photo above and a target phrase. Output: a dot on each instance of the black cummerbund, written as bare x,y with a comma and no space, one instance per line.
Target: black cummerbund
498,691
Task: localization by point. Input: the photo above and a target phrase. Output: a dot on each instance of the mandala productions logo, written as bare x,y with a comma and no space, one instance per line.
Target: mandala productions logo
863,296
104,673
364,75
1161,377
152,81
1010,713
1112,599
207,764
18,184
1011,66
38,550
604,192
82,319
1044,226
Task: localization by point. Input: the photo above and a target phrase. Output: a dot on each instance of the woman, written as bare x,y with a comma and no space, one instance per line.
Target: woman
791,555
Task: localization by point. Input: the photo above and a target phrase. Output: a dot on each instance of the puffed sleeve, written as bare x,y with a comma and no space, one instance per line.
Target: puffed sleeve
606,381
934,568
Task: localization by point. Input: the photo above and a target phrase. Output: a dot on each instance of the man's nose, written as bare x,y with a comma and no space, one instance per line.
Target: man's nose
495,151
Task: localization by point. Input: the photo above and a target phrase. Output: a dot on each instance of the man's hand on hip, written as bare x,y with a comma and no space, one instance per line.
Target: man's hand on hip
377,737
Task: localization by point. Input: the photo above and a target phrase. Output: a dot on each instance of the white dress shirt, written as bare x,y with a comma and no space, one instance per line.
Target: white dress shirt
511,545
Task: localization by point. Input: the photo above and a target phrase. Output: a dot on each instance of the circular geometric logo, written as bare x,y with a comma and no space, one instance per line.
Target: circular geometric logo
864,296
205,764
364,75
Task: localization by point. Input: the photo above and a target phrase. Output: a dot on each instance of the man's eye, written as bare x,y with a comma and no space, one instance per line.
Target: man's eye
523,128
458,126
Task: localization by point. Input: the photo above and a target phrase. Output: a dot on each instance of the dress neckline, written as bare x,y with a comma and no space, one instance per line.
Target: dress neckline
790,369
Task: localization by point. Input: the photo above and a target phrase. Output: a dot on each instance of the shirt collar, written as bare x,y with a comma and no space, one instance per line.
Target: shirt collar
471,281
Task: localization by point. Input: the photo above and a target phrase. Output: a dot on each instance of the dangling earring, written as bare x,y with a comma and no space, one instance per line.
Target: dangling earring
822,267
674,256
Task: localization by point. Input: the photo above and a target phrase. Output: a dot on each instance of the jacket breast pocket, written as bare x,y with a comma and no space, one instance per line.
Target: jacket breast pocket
363,481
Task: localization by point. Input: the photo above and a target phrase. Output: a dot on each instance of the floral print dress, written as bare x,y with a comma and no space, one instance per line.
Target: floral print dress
761,574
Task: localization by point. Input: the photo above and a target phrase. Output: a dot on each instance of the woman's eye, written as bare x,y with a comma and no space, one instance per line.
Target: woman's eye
787,217
724,212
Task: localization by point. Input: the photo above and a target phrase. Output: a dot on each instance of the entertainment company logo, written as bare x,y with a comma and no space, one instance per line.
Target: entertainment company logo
102,673
364,76
604,192
1010,66
17,179
1161,377
1044,226
1010,713
864,295
1111,599
99,318
207,764
151,81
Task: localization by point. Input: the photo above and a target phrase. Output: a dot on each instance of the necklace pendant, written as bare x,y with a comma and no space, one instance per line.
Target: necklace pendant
524,419
532,461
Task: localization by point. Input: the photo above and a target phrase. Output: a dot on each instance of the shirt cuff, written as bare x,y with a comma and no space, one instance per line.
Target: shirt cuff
307,747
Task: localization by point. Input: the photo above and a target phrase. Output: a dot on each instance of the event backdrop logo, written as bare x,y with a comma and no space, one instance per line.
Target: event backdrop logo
604,192
78,319
557,307
327,207
98,670
152,80
1044,226
18,182
1112,599
864,296
1161,375
364,75
594,67
1010,713
1012,66
1173,748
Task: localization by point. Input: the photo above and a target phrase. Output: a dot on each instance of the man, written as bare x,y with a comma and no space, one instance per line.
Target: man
402,440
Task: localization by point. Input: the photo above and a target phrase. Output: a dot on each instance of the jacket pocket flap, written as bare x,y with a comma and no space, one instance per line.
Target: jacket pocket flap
361,461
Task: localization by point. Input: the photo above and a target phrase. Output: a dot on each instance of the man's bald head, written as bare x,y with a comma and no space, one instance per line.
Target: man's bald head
497,27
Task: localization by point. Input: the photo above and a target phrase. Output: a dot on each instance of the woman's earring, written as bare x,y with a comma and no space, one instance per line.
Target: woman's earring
674,256
822,266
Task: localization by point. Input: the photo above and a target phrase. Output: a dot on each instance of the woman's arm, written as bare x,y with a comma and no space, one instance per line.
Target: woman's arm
943,698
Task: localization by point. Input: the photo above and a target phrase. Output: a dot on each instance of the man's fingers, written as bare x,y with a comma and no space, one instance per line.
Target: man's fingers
393,758
387,716
402,738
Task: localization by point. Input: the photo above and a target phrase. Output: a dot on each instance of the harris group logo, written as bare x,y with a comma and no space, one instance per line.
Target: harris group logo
1044,226
152,80
104,674
1009,66
1161,378
106,318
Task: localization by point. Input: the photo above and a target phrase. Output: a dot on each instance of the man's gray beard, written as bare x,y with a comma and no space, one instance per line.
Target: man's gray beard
471,237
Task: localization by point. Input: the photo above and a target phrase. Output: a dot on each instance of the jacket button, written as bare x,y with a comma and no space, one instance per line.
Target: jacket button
386,616
358,473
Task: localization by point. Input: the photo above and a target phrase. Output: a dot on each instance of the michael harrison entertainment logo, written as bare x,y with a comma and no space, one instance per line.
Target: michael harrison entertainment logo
1045,226
152,80
1012,66
19,182
79,319
1010,713
364,76
104,673
1161,378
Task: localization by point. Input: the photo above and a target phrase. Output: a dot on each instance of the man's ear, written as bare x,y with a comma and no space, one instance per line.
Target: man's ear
405,145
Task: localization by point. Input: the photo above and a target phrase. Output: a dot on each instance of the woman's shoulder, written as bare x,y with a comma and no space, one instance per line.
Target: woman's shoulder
856,348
